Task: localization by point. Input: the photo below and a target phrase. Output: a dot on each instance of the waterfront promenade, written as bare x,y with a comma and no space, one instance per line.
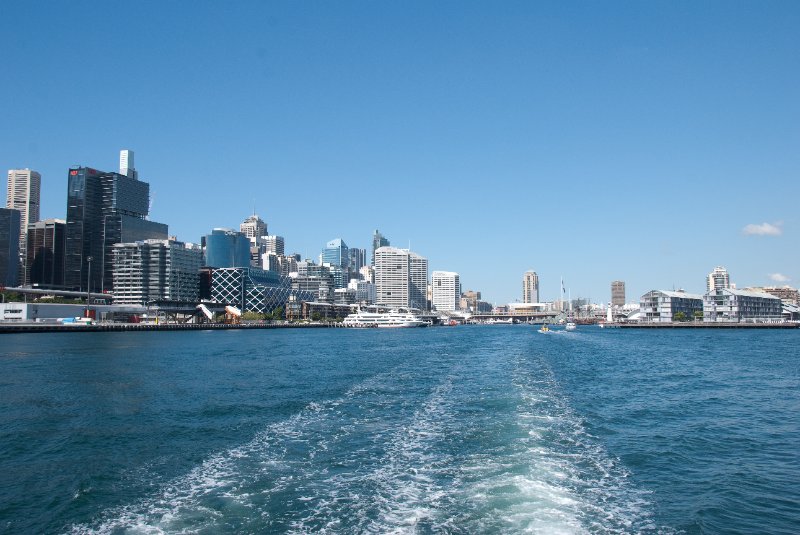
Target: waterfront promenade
6,328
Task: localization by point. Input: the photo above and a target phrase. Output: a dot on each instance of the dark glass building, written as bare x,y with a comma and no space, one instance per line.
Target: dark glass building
9,246
103,209
45,253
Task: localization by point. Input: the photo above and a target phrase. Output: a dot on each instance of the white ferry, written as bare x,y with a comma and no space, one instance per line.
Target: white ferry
375,317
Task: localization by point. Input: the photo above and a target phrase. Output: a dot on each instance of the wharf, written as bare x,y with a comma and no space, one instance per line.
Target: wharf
706,325
116,327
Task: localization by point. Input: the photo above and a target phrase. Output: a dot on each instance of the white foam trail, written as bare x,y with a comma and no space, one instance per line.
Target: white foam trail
180,508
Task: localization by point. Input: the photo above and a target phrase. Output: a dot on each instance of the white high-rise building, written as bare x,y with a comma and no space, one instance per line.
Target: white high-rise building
274,245
24,188
446,290
718,279
530,287
401,278
126,164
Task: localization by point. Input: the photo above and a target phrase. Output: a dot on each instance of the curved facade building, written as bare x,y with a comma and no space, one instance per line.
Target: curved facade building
227,248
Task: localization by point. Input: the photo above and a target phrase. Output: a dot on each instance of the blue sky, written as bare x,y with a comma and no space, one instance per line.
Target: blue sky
593,140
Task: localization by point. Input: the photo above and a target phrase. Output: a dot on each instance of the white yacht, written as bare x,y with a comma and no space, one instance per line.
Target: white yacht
375,317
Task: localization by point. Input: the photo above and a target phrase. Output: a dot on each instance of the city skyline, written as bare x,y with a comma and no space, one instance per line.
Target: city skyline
587,143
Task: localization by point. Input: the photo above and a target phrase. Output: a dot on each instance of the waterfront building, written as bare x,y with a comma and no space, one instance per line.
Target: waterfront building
618,293
378,241
731,305
401,278
226,248
446,294
344,296
152,270
530,287
9,246
336,253
274,245
104,209
718,279
317,283
787,294
23,194
254,290
46,251
663,305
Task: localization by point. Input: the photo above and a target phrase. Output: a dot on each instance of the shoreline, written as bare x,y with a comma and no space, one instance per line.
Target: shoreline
119,327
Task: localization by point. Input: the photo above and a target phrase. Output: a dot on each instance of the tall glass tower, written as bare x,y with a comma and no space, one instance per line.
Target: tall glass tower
103,209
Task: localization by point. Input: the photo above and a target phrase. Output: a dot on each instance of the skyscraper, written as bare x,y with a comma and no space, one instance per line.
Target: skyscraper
378,241
24,189
358,258
718,279
401,278
274,245
9,247
618,293
103,209
45,251
337,253
126,167
530,287
446,290
253,227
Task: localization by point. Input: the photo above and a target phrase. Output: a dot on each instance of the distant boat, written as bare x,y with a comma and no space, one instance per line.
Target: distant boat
570,326
544,329
400,318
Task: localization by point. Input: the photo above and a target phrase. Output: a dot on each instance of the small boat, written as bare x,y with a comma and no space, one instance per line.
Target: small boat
544,329
570,326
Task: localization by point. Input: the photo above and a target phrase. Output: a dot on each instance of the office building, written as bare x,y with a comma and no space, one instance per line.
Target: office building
378,241
662,305
530,287
358,259
156,270
253,227
274,245
618,293
46,251
401,278
731,305
22,194
337,253
365,291
718,279
104,209
126,164
226,248
469,301
446,291
787,294
9,246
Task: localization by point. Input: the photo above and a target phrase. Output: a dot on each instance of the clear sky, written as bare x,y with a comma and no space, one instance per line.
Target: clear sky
592,140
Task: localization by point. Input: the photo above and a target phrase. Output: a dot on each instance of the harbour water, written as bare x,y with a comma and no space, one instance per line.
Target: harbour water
478,429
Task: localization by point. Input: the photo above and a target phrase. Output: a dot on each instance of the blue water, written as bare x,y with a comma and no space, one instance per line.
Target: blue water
479,429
